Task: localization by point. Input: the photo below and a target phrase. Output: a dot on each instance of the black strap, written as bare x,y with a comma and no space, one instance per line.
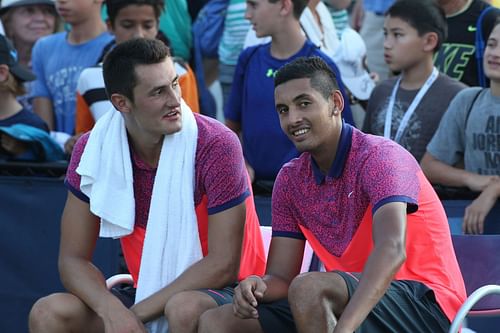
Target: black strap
470,107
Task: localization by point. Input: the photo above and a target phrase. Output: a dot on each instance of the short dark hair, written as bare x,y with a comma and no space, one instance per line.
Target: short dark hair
119,64
113,7
298,6
423,15
322,77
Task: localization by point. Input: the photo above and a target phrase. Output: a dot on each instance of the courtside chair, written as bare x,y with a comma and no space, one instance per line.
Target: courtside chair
479,261
266,232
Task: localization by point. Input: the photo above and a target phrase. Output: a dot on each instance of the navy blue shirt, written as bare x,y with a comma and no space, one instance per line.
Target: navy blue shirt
25,117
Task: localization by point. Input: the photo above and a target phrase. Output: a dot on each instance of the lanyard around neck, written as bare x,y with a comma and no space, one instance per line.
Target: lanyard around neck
411,109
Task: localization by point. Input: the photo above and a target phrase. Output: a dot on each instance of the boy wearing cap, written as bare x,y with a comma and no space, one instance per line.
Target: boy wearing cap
408,108
23,135
58,60
12,77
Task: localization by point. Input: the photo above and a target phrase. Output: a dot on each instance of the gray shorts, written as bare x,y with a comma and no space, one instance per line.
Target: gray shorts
221,296
407,307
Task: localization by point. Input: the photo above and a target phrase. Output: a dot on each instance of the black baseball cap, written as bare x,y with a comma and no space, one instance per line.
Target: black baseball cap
8,56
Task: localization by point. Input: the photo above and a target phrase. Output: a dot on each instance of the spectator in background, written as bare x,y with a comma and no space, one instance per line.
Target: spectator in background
126,20
368,18
458,56
59,59
408,108
25,22
236,27
23,135
251,109
465,150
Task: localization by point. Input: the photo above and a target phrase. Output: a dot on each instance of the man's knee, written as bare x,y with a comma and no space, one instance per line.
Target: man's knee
211,321
304,285
185,308
54,313
316,287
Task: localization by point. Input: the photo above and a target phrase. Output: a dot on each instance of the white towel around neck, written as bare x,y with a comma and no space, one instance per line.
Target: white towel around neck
172,241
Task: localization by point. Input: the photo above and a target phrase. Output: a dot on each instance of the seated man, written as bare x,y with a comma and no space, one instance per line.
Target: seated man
370,215
465,150
141,172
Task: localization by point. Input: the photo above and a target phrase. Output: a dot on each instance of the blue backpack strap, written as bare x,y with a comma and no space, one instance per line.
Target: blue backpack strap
480,45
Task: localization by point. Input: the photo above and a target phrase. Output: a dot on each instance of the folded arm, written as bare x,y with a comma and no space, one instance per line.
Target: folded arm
441,173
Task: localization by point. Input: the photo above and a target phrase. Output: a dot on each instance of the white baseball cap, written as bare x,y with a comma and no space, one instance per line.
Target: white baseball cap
7,4
349,58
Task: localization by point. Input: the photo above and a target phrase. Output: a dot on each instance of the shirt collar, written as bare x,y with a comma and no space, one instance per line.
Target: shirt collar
343,148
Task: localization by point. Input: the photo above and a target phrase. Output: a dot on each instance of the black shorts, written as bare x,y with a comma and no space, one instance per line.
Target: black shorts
221,296
407,307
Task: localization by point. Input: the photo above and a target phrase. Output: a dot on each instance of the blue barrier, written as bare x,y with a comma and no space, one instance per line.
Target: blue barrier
30,213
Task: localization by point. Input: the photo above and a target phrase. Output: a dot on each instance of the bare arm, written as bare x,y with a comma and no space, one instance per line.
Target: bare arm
441,173
283,264
388,254
79,233
218,269
42,106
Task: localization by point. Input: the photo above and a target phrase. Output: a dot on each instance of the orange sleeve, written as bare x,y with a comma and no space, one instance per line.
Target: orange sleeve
189,89
84,119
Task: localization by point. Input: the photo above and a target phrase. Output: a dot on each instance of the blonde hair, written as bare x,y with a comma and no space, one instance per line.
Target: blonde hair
13,86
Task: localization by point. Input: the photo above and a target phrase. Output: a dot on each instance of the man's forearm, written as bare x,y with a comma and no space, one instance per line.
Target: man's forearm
372,285
441,173
81,278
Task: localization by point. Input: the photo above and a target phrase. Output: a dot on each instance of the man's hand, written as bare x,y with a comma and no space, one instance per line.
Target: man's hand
12,145
476,212
68,146
246,297
119,319
478,183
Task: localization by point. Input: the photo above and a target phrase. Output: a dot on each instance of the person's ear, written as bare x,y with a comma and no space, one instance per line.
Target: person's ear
431,40
337,101
121,103
286,7
4,72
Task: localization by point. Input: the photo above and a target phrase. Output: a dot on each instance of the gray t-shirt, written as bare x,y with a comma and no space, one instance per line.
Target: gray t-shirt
424,121
478,146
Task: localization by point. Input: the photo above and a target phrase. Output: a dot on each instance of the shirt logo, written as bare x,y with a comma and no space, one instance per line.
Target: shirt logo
350,194
271,72
471,28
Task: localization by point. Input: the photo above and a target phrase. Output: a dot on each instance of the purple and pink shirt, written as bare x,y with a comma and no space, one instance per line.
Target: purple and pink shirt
334,212
221,182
